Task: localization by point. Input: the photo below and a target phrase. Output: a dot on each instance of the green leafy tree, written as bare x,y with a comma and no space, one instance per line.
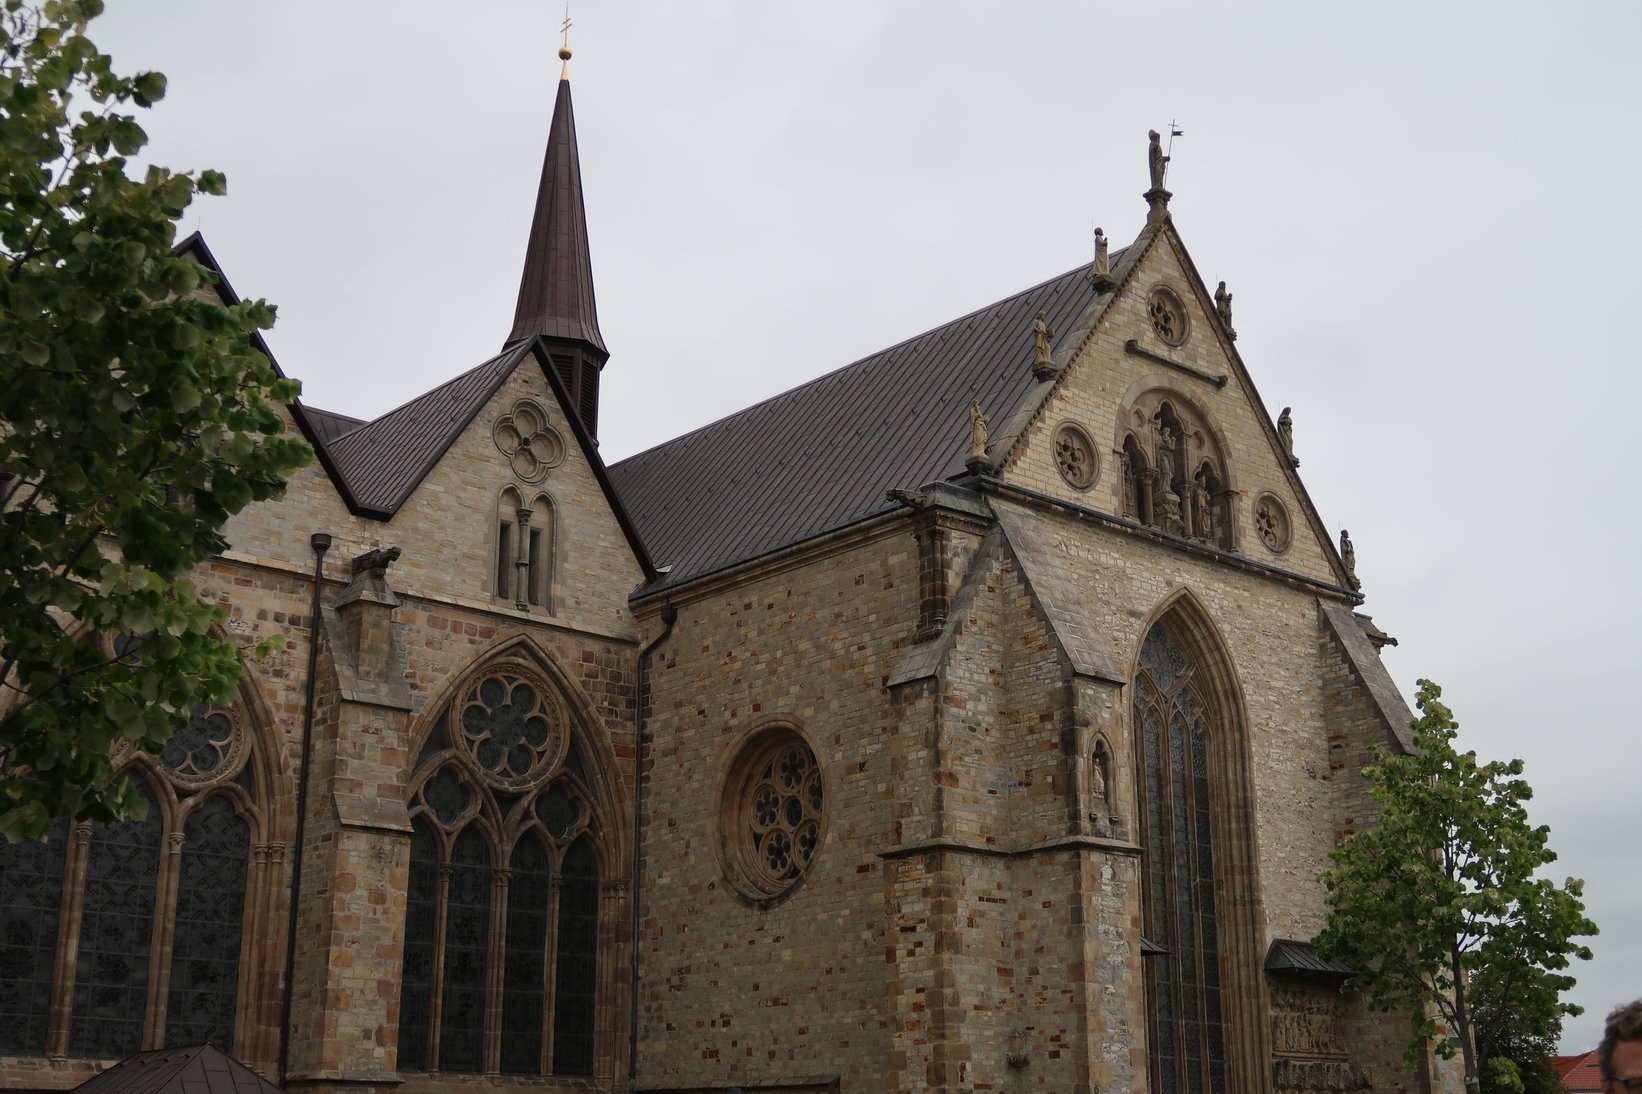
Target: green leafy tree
1438,906
135,417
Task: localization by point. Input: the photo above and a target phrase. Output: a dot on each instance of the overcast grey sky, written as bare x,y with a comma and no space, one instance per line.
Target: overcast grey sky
1428,214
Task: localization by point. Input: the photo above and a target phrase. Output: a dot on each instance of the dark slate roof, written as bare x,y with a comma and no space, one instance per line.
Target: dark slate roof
329,425
383,461
198,1069
820,456
556,288
1290,955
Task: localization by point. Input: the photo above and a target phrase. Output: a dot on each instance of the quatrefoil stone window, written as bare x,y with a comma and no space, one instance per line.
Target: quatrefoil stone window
1075,457
532,447
1168,315
774,814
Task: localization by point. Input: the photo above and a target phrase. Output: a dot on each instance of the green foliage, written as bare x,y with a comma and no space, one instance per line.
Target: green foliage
1438,906
135,418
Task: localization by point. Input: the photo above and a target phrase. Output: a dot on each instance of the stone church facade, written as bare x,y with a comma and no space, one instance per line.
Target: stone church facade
976,717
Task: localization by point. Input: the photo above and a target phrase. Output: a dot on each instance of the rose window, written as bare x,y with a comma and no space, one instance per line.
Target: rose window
208,748
1075,457
774,814
510,729
1271,521
1168,315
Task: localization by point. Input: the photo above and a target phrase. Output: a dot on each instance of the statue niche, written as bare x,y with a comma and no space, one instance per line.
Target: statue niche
1174,473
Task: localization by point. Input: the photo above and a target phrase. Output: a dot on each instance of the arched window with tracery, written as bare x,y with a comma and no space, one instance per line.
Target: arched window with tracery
84,913
501,964
1176,477
1173,724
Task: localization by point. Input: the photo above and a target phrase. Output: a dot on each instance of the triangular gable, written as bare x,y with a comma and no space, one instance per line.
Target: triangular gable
385,460
1011,441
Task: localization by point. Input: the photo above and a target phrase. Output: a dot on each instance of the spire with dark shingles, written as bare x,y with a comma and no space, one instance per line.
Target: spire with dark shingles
556,289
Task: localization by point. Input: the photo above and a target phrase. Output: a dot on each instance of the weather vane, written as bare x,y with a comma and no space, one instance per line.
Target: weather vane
1174,127
566,27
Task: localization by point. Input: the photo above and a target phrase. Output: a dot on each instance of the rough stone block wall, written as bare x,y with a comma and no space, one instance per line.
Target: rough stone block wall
730,991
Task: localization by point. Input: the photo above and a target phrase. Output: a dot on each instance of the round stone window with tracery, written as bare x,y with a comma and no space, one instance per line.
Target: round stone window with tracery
774,814
1168,315
208,749
532,447
511,728
1271,520
1075,457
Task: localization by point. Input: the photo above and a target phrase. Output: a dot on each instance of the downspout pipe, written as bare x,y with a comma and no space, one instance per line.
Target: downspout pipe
669,616
320,542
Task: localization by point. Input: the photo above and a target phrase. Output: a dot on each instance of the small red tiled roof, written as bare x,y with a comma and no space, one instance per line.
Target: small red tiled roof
1580,1074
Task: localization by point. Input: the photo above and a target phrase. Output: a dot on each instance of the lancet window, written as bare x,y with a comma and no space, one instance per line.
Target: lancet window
522,570
1174,474
503,919
131,936
1173,723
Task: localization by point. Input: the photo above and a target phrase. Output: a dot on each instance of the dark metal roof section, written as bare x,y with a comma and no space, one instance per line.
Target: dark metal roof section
328,425
556,289
820,456
383,461
198,1069
1290,955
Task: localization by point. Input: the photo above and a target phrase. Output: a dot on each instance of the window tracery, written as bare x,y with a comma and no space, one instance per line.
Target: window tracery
1075,457
773,814
83,913
1172,720
502,922
1174,473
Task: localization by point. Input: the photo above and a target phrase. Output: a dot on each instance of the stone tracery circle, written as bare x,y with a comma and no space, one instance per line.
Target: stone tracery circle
774,814
1075,457
1168,315
1271,521
510,728
210,748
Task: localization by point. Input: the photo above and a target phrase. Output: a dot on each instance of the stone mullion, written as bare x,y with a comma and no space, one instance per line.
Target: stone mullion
436,1004
501,879
521,558
66,966
550,970
251,1038
162,939
610,963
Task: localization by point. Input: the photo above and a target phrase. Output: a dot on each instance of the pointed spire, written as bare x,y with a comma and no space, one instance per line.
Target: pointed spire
556,289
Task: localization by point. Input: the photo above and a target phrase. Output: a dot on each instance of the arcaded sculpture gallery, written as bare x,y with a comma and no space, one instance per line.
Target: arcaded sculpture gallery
975,717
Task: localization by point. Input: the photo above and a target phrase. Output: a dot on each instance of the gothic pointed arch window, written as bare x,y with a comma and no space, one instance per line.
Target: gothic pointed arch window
502,927
1173,721
132,936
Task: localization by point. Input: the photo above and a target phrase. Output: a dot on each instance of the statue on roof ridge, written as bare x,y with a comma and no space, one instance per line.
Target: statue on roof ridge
1156,161
1222,308
1285,436
1101,276
1043,361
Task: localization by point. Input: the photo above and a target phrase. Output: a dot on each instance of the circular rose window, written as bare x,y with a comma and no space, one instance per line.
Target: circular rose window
1168,315
1075,457
1271,520
510,728
774,814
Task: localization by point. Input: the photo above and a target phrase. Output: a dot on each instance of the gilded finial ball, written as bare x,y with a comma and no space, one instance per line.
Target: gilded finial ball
564,53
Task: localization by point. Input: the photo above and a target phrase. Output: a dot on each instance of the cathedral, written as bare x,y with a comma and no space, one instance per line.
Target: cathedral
977,716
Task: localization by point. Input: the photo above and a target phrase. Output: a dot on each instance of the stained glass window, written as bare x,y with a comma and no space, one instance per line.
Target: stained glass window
31,883
574,985
503,780
1178,879
116,932
210,915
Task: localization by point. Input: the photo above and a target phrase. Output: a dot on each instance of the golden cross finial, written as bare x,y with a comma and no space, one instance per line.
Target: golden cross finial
564,50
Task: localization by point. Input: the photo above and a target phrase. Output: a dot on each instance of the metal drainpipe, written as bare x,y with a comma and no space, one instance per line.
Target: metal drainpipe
320,542
669,616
